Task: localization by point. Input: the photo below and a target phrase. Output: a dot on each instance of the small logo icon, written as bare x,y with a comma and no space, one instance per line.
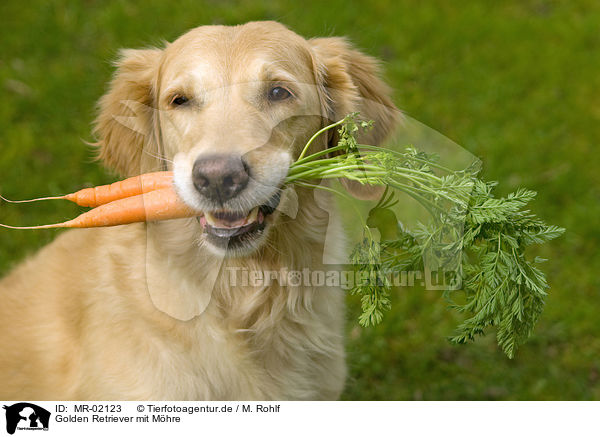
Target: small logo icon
26,416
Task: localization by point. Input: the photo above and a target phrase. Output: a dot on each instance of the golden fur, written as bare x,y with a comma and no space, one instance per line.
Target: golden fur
123,312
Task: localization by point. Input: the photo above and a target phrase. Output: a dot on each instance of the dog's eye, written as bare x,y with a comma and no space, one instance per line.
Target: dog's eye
279,93
179,100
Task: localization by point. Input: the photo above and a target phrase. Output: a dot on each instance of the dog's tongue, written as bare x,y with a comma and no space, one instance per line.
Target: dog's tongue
228,219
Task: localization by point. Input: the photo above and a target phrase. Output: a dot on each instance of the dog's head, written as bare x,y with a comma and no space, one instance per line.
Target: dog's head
228,109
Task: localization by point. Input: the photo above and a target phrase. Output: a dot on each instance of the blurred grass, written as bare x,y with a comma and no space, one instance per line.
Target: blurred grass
515,82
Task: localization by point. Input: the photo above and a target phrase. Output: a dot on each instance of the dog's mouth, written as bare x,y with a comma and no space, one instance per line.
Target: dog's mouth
233,229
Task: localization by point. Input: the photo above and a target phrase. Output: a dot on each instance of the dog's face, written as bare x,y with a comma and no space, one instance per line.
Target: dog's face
229,109
236,106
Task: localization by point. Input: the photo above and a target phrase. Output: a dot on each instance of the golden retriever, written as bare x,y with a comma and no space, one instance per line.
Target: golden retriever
148,311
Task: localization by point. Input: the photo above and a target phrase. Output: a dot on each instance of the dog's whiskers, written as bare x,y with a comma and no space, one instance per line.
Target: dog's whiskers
159,157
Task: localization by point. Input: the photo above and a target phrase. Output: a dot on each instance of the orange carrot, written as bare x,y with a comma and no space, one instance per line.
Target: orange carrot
161,204
103,194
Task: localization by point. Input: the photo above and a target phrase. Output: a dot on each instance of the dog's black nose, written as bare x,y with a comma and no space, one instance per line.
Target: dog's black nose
220,177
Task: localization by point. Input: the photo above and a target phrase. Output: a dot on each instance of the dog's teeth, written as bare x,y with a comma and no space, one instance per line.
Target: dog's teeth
210,218
252,215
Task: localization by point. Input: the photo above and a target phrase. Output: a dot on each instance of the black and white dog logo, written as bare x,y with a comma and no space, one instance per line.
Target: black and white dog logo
26,416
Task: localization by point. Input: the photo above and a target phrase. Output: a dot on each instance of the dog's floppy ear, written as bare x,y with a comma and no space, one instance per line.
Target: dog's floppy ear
124,125
350,81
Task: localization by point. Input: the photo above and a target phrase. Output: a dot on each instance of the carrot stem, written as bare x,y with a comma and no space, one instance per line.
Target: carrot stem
32,200
54,225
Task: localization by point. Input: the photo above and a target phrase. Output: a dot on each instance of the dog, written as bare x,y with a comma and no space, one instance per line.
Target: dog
147,310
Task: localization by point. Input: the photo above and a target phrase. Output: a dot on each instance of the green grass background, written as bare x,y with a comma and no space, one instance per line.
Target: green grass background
514,82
